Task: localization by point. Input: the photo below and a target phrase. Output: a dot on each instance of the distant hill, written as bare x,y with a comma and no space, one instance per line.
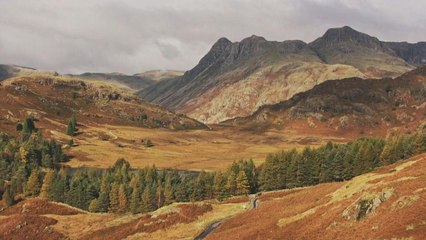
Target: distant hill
349,104
8,71
56,99
234,79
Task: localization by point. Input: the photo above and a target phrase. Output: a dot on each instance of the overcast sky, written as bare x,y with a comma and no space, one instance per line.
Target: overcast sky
75,36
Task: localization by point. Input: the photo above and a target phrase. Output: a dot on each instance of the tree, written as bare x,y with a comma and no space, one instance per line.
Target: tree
94,205
147,200
243,186
114,201
7,197
159,196
47,187
122,199
168,191
70,129
231,184
219,186
32,188
74,122
135,200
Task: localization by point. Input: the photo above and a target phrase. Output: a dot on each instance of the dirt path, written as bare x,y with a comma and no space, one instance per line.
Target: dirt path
209,229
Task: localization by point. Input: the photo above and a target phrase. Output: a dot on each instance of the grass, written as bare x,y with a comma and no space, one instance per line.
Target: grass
188,150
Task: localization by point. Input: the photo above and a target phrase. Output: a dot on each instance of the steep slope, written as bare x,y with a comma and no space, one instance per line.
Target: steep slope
351,104
55,99
388,203
235,79
368,54
413,53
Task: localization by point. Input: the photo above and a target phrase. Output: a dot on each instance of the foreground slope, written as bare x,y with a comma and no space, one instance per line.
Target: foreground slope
349,105
388,203
235,79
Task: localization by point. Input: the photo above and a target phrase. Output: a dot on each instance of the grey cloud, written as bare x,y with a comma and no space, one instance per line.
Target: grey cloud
134,36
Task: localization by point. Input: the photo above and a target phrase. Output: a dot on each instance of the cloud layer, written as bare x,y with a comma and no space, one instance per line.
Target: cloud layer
134,36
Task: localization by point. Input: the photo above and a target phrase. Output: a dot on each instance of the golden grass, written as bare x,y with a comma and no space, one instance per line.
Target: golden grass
189,150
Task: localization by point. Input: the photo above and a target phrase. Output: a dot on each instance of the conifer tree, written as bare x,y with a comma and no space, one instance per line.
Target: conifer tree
159,196
46,191
114,201
147,200
219,186
135,200
32,188
7,197
168,191
122,199
243,186
70,129
231,184
94,206
103,202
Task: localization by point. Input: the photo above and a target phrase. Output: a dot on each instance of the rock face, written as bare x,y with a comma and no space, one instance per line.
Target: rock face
235,78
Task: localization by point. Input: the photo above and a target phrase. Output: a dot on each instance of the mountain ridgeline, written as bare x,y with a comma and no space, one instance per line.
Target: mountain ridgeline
236,78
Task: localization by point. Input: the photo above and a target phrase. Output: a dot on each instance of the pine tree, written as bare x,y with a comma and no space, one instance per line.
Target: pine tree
135,200
114,201
47,187
70,129
231,184
147,200
7,197
219,186
122,199
168,191
32,188
74,122
159,196
243,186
103,202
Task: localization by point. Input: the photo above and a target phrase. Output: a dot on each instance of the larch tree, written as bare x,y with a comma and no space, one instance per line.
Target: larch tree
122,199
32,188
46,191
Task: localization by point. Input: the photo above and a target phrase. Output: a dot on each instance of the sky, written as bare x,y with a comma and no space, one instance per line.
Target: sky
132,36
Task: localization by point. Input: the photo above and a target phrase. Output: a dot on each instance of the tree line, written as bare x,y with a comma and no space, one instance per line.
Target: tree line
30,166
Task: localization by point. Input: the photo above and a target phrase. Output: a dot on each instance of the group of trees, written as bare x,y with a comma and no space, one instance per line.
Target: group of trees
336,162
29,167
22,160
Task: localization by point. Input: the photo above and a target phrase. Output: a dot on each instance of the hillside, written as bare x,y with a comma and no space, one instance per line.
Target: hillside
8,71
350,105
53,100
385,204
356,209
236,78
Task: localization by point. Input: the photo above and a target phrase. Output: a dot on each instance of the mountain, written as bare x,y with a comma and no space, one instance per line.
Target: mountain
235,79
53,100
8,71
349,105
368,54
413,53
